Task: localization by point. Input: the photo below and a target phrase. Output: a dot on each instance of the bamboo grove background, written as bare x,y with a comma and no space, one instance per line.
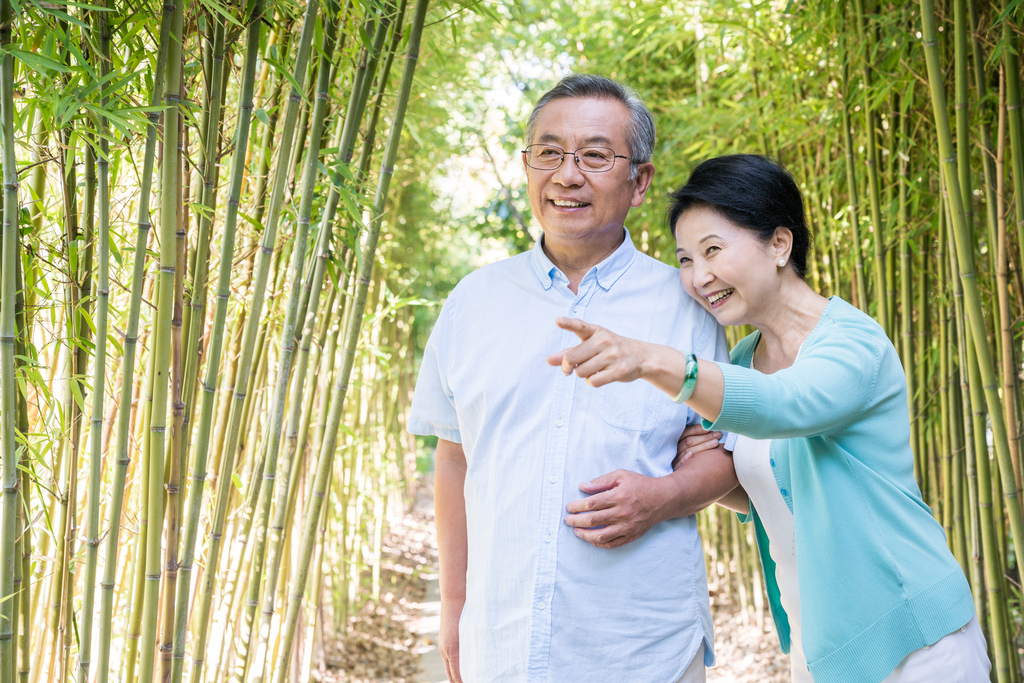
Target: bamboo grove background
224,225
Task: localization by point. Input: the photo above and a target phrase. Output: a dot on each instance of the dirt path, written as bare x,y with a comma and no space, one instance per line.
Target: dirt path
397,641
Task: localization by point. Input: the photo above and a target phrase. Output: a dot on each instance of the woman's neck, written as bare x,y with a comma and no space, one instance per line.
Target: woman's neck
788,320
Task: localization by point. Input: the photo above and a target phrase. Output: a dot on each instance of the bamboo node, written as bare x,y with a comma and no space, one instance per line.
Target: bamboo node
240,396
160,430
387,169
264,249
216,537
252,603
167,269
960,105
172,488
321,95
232,201
153,577
295,97
363,280
304,221
165,647
931,43
222,297
1012,107
319,494
96,421
199,477
106,586
144,225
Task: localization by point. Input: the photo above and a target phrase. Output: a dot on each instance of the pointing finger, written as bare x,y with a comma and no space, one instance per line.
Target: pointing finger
581,329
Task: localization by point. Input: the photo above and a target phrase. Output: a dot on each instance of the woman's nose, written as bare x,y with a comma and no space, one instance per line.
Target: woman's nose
702,275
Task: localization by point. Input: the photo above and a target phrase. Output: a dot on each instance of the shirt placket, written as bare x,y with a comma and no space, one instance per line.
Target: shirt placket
552,510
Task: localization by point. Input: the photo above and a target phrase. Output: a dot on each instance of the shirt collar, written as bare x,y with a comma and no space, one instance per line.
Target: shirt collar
607,272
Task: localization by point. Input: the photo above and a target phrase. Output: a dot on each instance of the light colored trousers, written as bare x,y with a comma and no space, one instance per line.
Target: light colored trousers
695,672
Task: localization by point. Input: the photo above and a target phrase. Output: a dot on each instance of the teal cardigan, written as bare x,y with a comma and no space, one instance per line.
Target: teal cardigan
876,578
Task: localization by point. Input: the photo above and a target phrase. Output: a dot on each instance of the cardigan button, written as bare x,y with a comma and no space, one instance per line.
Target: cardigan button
784,492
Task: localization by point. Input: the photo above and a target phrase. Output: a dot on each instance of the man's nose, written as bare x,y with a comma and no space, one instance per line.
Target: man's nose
569,173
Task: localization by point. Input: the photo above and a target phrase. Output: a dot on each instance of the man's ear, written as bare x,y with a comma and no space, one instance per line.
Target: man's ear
645,174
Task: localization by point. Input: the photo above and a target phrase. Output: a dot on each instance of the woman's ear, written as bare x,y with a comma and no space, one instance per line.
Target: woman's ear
782,243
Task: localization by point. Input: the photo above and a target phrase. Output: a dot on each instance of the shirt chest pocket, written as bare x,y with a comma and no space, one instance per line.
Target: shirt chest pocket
634,406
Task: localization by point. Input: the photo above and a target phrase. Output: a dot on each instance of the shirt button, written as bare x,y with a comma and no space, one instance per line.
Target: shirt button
575,309
547,538
553,479
558,423
540,605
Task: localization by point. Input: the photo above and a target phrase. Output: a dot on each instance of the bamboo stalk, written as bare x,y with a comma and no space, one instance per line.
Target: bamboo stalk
279,400
972,297
245,108
851,182
8,335
874,192
169,181
99,365
312,516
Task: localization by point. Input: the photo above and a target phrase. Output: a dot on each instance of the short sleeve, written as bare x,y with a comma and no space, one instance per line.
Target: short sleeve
433,403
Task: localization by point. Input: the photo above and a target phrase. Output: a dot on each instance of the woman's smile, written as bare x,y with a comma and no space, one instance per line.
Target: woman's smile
718,299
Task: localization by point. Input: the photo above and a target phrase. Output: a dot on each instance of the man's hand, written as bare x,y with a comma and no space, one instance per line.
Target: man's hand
694,440
624,504
448,640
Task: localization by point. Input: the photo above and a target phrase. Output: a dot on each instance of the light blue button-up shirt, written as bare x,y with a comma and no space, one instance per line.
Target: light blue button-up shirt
541,604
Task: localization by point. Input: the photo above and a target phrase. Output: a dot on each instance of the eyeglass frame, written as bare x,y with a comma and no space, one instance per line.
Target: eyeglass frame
575,158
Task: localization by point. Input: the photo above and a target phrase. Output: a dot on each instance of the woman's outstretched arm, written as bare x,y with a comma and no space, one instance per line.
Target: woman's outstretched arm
604,357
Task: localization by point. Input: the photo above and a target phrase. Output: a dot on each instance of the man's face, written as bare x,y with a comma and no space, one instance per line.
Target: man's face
570,204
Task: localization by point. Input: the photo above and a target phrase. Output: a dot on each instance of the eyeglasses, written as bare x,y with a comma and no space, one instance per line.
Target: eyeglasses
588,159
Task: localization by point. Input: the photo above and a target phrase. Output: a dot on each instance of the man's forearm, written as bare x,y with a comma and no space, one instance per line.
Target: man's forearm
450,519
700,481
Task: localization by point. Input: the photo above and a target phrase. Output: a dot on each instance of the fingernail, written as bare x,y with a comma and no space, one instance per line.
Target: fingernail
560,320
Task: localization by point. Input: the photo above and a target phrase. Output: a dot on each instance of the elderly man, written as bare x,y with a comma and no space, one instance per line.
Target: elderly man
615,590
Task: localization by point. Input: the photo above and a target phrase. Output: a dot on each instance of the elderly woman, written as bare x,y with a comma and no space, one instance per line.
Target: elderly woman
861,584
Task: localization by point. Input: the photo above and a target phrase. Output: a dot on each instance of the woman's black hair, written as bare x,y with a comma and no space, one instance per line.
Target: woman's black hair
752,191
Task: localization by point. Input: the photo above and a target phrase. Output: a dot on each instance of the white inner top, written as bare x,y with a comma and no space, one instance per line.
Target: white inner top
752,459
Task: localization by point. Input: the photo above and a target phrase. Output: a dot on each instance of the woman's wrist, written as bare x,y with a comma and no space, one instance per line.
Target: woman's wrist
665,368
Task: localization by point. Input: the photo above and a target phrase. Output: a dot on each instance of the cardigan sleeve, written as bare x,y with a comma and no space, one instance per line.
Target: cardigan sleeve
828,388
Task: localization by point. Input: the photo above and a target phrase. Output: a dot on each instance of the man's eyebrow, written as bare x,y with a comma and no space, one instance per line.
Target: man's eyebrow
585,142
595,139
549,137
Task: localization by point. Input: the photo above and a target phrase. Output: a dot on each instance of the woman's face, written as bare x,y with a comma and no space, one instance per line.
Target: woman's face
726,268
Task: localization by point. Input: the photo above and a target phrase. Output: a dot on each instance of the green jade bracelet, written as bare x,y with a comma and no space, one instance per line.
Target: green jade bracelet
690,381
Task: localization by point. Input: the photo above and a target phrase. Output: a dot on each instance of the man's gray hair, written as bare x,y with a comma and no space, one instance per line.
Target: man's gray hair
639,127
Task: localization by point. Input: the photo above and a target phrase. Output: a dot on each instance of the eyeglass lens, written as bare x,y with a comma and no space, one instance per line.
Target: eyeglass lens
547,157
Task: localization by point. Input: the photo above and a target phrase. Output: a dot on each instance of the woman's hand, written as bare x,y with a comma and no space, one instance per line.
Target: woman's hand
694,440
603,356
